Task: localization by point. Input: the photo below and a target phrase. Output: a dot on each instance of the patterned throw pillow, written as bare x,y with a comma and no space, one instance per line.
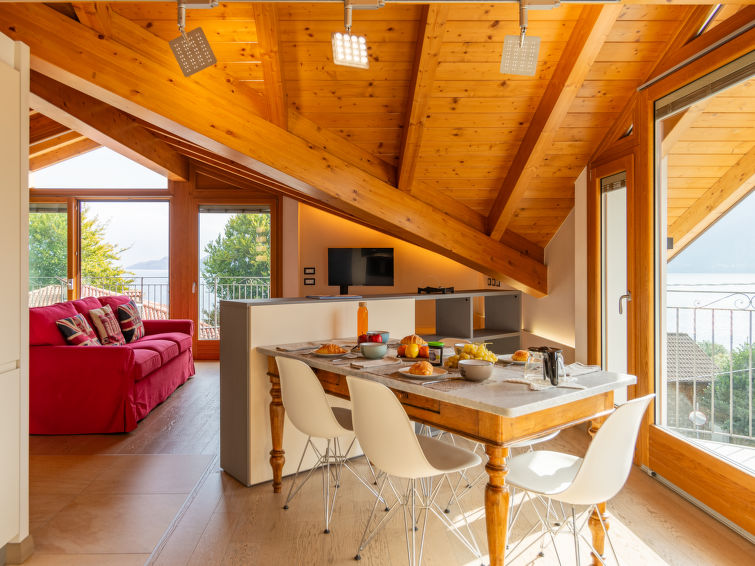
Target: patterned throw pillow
107,326
77,332
131,323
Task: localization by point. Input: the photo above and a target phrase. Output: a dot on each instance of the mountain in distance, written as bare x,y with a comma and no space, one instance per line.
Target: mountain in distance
161,263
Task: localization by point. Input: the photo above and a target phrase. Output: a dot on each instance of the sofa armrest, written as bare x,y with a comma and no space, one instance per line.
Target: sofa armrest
80,389
153,326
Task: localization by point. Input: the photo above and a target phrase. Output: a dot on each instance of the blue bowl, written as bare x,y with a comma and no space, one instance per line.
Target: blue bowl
373,350
383,334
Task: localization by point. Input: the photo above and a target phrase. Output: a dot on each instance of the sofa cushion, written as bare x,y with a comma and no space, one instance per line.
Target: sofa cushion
106,325
113,301
130,321
145,362
77,332
167,349
84,305
42,328
183,341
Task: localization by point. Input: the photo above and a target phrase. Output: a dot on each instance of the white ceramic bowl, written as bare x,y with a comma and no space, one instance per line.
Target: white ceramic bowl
373,350
476,370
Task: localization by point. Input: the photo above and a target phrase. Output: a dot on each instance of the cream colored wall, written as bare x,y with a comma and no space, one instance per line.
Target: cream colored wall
290,247
413,266
552,316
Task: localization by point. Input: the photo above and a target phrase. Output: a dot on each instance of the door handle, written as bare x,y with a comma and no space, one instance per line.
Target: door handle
194,289
628,297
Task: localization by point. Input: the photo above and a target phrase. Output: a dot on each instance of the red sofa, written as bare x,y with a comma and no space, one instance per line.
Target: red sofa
99,389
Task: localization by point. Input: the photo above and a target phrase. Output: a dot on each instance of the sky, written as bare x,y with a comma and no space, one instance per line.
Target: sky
142,227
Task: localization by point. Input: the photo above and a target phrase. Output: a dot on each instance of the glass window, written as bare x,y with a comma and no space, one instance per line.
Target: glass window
234,260
124,250
48,254
98,169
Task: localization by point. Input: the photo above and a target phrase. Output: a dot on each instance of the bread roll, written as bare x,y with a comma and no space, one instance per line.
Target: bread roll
421,368
520,356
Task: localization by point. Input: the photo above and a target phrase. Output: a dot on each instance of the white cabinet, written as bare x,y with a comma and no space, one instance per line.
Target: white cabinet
14,331
9,457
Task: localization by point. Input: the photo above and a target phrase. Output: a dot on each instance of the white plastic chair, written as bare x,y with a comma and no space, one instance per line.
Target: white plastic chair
571,480
388,440
308,409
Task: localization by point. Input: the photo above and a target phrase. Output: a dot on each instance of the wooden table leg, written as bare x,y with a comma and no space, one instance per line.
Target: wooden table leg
593,523
277,413
496,503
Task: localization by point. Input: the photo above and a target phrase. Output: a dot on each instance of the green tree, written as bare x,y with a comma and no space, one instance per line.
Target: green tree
237,262
732,388
48,242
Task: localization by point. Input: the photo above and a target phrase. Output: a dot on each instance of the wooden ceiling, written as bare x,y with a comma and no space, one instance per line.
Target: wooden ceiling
431,143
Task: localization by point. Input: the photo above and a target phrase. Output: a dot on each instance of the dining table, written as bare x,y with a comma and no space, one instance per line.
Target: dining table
506,408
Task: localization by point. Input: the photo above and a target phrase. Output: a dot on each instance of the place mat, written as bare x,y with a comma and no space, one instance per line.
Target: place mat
368,364
298,346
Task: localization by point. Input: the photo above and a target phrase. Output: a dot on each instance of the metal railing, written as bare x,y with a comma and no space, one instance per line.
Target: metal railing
151,294
212,291
711,400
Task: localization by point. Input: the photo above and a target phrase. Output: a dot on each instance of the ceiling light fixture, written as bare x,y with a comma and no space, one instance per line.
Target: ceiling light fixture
192,50
519,51
351,50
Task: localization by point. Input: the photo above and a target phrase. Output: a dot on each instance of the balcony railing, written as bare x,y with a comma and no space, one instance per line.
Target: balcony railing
45,291
709,378
212,291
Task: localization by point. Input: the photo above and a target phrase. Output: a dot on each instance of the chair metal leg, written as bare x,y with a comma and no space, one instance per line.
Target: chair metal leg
291,492
576,537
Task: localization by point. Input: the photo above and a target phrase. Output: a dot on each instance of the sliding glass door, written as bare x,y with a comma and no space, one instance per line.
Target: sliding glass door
705,285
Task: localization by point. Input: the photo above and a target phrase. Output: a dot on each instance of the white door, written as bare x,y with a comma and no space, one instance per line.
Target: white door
614,274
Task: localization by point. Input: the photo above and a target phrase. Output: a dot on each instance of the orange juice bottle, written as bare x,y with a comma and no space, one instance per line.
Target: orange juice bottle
362,319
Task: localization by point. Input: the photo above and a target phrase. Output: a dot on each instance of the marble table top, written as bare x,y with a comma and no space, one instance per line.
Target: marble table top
495,395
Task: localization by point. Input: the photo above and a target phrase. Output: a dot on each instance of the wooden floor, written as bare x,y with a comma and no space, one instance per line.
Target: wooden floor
223,523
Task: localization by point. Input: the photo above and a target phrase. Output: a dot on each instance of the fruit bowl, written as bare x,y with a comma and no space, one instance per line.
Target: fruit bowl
384,335
373,350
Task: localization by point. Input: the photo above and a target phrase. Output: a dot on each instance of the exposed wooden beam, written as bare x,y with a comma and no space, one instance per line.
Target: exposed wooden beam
42,127
426,62
266,21
74,145
735,184
214,118
105,125
95,15
519,242
580,52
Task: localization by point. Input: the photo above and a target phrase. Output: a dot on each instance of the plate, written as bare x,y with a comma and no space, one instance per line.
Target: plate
507,358
436,372
329,355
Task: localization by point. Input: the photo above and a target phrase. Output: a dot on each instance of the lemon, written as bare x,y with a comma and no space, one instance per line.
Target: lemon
412,350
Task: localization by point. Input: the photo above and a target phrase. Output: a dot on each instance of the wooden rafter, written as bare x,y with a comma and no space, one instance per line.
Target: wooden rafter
54,150
266,20
735,184
211,115
428,51
42,127
95,15
580,52
105,125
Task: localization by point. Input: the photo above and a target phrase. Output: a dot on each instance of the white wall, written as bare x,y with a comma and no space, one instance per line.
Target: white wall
290,247
561,316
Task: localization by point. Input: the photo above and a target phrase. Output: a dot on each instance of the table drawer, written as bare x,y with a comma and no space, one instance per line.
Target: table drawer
418,401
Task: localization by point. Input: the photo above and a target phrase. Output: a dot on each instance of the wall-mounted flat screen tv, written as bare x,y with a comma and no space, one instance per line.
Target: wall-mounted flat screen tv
360,266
